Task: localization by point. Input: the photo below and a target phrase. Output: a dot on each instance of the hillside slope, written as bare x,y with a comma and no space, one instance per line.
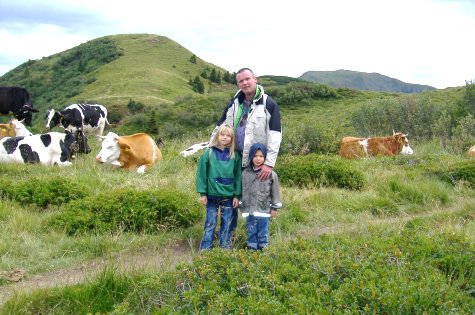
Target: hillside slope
363,81
147,68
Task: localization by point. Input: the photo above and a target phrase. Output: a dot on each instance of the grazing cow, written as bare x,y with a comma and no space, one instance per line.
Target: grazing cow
351,147
16,100
52,148
89,118
14,128
194,148
136,152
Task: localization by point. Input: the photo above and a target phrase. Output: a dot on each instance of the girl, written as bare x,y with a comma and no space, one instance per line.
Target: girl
218,181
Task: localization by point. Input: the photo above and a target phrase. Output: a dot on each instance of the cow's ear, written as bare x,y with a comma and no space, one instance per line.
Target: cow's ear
125,147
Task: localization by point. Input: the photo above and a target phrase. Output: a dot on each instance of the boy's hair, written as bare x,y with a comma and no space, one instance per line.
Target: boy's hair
224,129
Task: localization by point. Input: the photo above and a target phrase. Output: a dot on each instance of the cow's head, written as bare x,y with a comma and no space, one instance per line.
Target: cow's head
24,113
110,150
69,148
403,142
20,129
53,118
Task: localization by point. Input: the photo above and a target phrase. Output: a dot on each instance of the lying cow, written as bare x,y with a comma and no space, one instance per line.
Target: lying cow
88,118
52,148
136,152
398,143
194,148
471,151
14,128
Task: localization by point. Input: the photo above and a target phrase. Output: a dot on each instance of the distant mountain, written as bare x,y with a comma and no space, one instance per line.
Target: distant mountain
363,81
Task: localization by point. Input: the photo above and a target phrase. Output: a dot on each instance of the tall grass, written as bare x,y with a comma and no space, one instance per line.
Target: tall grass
400,194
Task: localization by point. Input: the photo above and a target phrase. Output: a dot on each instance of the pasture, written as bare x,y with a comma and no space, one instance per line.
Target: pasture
403,242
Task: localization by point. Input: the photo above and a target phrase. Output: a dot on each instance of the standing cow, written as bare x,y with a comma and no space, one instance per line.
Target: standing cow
136,152
16,100
87,118
351,147
52,148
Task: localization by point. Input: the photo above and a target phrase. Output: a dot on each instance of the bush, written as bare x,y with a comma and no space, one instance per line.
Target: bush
461,172
396,274
145,211
319,171
42,192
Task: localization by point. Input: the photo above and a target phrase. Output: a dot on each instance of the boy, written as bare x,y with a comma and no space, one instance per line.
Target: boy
260,199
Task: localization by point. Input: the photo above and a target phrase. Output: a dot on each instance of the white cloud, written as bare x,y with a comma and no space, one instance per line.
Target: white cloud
423,41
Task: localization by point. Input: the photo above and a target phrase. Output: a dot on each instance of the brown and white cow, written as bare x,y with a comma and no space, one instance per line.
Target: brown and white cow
471,151
14,128
136,152
351,147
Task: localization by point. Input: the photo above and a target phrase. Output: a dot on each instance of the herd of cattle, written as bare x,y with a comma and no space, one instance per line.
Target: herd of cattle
136,152
18,145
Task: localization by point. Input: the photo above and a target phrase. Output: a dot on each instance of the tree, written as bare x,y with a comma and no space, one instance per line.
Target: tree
193,59
152,127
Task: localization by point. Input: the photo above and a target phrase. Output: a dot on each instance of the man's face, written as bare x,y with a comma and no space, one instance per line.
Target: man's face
258,159
246,82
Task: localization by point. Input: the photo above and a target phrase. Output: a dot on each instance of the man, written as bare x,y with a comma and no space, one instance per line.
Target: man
255,118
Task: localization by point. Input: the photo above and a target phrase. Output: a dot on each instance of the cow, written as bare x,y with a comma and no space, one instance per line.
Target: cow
16,100
87,118
136,152
194,148
52,148
351,147
14,128
471,151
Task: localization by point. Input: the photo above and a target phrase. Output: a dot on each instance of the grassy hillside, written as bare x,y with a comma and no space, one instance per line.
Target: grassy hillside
112,70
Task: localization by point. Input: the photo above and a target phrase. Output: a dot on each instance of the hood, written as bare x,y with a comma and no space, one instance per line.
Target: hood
255,147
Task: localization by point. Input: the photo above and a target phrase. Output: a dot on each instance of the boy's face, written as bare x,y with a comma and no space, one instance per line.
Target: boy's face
258,159
224,139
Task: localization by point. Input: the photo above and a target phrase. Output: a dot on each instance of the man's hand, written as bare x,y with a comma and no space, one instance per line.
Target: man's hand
203,200
264,173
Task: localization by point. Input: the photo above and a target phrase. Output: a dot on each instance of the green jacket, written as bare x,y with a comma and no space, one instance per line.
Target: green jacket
217,175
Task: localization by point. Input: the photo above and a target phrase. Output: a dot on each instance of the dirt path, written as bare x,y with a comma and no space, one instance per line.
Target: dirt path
163,259
166,258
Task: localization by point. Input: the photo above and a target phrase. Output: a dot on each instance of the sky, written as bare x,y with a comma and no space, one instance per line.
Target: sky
426,42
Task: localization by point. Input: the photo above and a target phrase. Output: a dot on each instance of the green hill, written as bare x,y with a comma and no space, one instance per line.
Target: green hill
363,81
144,69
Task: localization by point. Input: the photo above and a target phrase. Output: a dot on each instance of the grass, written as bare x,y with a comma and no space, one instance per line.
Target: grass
400,195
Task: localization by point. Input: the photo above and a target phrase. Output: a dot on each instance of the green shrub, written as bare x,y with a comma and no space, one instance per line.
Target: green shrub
348,274
144,211
461,172
42,191
318,170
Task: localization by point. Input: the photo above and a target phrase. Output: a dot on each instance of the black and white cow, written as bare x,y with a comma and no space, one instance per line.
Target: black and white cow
52,148
16,100
88,118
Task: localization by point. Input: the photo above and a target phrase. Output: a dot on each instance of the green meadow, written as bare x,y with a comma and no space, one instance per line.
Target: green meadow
378,235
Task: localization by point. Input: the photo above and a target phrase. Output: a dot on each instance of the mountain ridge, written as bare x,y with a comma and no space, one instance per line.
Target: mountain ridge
363,81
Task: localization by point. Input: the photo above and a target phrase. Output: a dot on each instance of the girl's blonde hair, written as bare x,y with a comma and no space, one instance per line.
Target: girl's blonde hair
227,130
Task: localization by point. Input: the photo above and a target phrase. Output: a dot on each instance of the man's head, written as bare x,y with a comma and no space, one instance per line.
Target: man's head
257,154
246,82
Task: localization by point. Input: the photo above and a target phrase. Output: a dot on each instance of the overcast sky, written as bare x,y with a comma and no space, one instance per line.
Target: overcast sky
416,41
